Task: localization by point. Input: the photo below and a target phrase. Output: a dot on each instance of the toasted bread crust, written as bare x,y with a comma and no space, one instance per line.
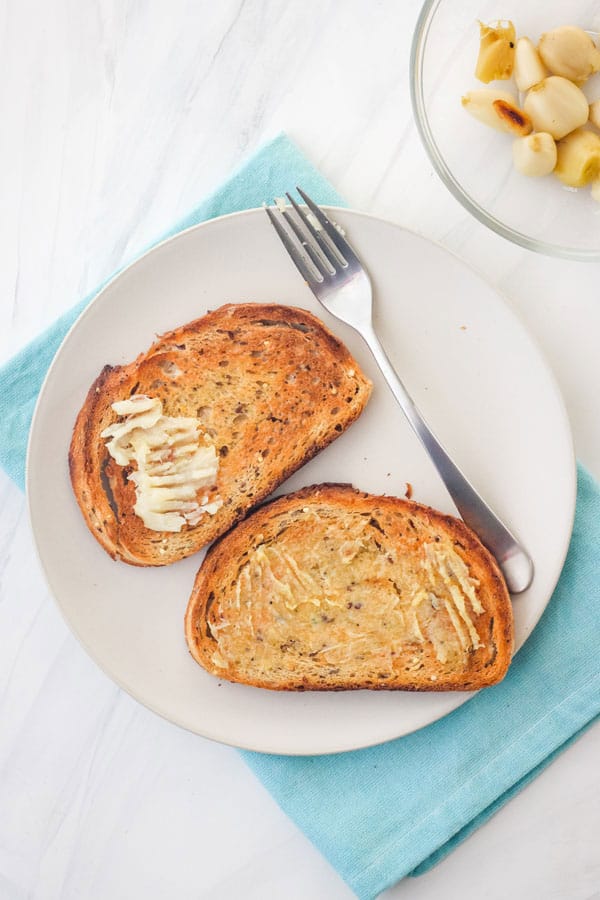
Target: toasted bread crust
271,385
225,559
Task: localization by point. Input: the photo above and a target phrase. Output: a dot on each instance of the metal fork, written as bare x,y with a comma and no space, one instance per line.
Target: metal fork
338,280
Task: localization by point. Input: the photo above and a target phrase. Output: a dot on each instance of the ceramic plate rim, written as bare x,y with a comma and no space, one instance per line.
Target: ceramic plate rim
209,733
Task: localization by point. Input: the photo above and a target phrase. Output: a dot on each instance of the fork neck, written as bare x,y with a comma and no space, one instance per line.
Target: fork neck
391,376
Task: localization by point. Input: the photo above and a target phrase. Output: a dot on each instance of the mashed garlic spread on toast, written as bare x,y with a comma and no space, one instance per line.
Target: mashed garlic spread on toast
334,589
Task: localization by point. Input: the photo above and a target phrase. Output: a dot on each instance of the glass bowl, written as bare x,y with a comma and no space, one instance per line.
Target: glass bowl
474,161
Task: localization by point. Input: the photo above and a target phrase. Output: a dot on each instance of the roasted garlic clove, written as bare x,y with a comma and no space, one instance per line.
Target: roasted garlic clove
595,113
578,158
557,106
498,109
496,51
513,119
528,69
570,52
535,154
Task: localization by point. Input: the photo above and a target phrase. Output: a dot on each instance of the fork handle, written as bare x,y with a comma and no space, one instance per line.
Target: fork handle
515,563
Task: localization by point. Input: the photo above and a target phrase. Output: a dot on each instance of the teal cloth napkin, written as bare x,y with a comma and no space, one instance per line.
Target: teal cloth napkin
397,809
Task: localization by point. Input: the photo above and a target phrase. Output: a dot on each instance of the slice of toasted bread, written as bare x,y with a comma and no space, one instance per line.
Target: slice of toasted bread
332,589
270,386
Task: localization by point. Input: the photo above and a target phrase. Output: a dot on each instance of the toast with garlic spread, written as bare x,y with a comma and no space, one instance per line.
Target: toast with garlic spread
170,451
332,589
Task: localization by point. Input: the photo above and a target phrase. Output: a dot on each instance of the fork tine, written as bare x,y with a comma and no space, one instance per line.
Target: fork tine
330,256
295,253
341,244
308,242
316,229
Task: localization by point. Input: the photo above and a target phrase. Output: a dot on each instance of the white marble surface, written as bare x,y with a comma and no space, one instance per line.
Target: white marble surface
117,117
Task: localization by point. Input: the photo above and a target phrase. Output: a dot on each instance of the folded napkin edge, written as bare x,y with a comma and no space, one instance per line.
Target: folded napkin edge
501,794
486,814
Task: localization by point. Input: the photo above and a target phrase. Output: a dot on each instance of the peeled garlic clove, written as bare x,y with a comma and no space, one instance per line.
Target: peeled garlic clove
596,190
528,69
498,109
535,154
570,52
496,51
595,113
578,158
557,106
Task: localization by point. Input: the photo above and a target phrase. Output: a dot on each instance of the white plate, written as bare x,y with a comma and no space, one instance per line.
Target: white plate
473,370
